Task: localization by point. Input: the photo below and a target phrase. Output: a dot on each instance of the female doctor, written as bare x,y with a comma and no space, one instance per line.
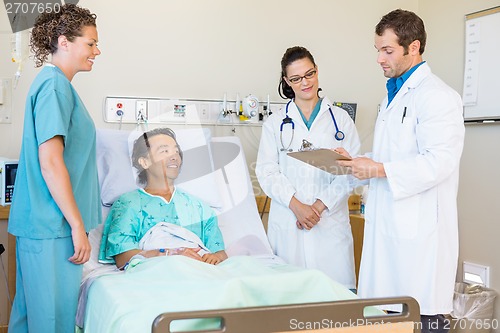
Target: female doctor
309,217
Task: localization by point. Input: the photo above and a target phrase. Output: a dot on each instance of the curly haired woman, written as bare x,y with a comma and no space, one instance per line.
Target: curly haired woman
56,201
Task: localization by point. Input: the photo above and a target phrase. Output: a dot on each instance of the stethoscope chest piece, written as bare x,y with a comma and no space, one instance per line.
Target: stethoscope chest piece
339,135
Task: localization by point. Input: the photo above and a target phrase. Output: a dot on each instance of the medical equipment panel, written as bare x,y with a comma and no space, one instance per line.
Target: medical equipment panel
135,110
8,170
350,108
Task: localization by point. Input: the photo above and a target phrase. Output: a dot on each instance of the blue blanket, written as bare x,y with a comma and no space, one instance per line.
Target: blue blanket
130,302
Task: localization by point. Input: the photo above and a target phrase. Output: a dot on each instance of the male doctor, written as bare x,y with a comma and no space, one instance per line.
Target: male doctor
411,233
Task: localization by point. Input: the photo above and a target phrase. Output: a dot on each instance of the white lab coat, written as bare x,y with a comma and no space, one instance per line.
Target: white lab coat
411,229
328,246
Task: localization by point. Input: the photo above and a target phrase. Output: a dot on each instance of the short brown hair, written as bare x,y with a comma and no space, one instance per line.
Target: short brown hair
141,149
406,25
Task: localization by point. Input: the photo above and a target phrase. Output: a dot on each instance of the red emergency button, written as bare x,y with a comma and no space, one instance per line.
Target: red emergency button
119,105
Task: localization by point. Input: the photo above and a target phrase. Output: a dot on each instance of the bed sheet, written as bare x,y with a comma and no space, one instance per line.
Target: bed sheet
131,301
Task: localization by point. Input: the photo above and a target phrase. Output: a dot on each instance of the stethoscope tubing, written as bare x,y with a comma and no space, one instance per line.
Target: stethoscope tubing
339,135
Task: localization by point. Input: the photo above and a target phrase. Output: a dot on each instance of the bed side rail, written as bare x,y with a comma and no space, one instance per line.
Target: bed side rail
338,316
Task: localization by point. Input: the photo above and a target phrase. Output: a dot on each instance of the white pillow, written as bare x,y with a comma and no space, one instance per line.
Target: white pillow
95,236
114,168
117,176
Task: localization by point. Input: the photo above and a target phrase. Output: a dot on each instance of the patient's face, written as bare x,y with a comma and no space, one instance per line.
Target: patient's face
164,158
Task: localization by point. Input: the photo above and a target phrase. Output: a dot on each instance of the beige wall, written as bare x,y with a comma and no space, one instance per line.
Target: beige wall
201,49
479,180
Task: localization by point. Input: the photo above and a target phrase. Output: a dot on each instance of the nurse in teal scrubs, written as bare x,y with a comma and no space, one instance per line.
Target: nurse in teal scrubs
56,197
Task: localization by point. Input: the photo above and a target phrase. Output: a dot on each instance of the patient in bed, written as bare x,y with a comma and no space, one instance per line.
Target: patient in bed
159,219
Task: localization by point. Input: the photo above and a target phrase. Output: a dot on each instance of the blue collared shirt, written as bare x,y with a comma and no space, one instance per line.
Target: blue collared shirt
395,83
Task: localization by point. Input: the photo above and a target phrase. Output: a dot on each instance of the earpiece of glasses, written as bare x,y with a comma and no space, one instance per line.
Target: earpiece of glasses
298,79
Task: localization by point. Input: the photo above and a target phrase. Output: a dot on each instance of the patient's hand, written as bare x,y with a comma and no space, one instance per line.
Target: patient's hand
187,252
214,258
211,258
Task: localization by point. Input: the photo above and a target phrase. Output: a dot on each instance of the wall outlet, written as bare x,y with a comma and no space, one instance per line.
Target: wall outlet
120,109
204,111
141,111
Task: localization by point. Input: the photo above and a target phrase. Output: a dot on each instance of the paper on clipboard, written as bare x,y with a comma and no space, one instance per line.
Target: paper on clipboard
324,159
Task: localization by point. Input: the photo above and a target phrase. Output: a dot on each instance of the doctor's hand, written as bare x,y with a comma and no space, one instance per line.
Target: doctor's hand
319,206
81,245
342,151
307,216
364,168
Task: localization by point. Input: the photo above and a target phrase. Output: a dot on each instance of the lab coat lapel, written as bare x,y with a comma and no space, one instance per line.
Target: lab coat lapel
325,104
413,81
392,112
294,113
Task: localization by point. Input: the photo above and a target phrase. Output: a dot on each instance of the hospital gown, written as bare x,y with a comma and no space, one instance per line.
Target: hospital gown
134,213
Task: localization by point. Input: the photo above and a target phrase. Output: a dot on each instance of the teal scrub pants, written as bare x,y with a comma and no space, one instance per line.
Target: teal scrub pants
47,286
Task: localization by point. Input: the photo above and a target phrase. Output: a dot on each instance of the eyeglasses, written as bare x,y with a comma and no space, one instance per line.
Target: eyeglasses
298,79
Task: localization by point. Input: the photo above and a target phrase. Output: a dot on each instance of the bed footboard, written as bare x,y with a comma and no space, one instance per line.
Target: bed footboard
328,317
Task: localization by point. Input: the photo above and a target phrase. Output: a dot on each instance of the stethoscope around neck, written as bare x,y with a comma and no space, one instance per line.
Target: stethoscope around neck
339,135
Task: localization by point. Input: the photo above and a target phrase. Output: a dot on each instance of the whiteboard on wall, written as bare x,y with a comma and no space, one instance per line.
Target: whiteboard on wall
481,93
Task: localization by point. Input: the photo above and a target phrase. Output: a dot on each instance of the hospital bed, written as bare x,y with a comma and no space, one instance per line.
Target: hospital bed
339,316
215,170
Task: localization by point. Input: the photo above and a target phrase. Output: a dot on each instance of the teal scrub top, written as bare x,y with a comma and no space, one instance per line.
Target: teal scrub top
313,116
54,108
134,213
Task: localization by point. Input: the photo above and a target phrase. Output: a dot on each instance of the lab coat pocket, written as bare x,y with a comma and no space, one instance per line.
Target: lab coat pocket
404,139
406,217
401,218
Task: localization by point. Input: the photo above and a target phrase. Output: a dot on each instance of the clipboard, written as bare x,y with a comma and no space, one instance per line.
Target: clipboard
324,159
